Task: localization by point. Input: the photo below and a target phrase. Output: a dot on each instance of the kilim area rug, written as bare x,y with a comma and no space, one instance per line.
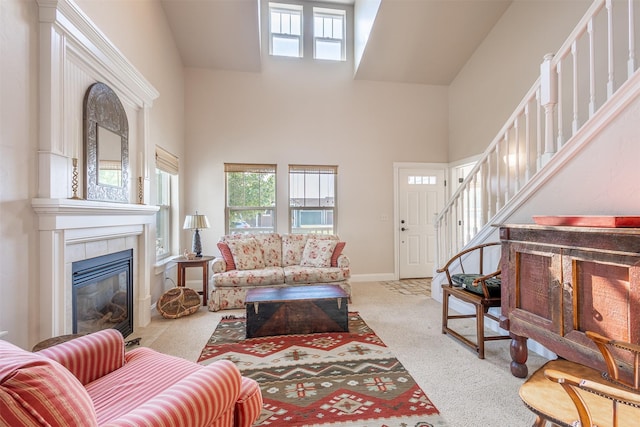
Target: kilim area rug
325,379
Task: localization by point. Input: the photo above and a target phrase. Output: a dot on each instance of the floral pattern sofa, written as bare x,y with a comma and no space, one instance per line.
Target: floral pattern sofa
250,261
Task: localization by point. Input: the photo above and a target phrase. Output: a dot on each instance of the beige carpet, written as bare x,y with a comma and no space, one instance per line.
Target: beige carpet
468,391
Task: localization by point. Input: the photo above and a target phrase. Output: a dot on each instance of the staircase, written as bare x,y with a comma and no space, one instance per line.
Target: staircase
591,79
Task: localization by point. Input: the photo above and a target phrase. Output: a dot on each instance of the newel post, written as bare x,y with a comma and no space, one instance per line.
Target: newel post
548,100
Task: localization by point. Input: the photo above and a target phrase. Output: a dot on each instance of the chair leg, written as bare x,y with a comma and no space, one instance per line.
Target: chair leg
480,330
445,310
539,422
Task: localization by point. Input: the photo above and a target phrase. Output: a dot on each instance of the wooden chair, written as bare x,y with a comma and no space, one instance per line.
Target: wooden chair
476,288
580,393
614,372
607,408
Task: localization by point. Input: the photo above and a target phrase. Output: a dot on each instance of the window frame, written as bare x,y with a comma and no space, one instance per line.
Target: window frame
167,169
332,13
316,170
291,9
229,210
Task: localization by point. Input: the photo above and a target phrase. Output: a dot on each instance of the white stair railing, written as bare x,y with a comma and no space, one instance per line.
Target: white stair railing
597,58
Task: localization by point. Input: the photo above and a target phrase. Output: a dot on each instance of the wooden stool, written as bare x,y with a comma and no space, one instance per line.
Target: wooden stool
551,403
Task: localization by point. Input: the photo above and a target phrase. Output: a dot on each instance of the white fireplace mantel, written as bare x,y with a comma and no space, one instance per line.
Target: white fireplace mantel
67,214
71,230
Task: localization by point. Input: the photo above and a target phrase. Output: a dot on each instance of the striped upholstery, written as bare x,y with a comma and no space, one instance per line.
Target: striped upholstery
90,356
36,391
147,389
249,404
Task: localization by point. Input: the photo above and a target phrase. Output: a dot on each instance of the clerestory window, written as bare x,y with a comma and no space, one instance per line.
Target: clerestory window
328,34
307,31
285,30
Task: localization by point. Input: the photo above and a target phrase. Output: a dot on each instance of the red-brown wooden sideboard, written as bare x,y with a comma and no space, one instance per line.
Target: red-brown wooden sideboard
558,282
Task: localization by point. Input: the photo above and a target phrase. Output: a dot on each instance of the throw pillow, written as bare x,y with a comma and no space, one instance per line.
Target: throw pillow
226,255
45,390
247,254
292,247
336,253
271,244
317,253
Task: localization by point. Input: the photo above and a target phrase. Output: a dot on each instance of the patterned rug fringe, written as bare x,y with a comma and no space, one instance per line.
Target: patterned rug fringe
232,317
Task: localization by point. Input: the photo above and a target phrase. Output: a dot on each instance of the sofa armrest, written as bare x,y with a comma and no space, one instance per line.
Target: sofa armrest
197,400
90,356
249,404
218,265
343,261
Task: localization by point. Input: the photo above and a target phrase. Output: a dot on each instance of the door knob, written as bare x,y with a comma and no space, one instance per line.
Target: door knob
404,229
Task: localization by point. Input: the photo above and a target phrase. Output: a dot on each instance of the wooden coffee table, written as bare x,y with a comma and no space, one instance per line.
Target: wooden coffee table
296,310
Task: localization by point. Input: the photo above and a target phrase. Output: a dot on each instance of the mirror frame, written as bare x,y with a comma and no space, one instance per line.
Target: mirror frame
103,107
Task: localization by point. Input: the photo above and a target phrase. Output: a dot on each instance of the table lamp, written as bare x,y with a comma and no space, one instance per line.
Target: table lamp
196,222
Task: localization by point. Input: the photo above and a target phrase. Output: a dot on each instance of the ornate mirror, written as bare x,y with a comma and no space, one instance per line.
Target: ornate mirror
106,145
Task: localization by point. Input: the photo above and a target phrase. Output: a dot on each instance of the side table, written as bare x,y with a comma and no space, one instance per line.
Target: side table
202,262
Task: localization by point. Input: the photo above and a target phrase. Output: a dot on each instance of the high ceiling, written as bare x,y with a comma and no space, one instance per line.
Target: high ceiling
411,41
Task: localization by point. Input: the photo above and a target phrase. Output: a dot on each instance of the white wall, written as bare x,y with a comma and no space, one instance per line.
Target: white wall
306,113
18,179
503,68
139,30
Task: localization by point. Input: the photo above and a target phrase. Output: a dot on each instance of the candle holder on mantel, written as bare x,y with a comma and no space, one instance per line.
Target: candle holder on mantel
74,180
140,191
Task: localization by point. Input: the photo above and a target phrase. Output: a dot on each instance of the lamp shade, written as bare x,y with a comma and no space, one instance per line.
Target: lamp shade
195,222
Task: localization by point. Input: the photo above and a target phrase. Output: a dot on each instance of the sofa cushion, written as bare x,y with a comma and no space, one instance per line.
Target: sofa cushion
247,253
336,253
295,274
317,253
271,244
292,248
260,277
227,256
39,391
145,374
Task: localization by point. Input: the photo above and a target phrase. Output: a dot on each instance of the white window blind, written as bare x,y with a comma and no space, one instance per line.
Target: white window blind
167,162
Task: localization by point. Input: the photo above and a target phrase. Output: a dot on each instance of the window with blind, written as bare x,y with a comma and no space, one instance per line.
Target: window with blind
166,192
312,199
250,198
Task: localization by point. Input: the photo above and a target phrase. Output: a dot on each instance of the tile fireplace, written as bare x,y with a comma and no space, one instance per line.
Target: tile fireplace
72,231
103,293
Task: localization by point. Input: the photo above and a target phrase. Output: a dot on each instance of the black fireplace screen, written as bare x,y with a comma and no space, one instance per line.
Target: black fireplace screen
103,293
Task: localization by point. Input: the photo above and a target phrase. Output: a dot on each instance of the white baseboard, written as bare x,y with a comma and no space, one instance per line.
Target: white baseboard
372,277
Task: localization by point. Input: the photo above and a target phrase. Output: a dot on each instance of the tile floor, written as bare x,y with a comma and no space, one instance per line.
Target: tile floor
410,286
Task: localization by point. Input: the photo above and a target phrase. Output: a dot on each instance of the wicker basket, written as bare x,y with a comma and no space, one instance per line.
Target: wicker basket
178,302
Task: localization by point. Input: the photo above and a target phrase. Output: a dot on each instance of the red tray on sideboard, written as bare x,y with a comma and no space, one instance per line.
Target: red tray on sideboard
607,221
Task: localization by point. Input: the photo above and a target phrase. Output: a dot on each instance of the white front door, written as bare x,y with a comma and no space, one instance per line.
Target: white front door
420,198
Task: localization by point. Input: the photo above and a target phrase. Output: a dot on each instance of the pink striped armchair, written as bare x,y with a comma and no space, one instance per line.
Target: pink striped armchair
91,381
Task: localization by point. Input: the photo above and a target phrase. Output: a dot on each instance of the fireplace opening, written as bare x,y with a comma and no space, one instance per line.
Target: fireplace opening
103,293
